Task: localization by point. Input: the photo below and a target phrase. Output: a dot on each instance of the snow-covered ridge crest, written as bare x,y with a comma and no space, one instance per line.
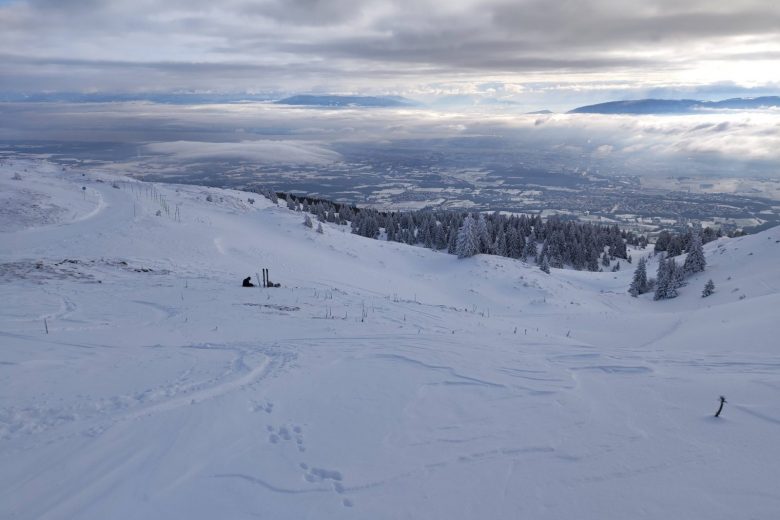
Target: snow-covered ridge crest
138,379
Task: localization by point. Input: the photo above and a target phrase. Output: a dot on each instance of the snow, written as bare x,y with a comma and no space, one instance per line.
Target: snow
379,381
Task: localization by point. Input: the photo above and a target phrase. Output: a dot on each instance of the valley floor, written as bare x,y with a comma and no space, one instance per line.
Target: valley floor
139,380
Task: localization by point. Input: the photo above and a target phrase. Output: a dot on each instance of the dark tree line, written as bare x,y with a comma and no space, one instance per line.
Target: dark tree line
552,242
526,237
675,244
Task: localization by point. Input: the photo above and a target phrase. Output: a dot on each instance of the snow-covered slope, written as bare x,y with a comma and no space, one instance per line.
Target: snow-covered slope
380,381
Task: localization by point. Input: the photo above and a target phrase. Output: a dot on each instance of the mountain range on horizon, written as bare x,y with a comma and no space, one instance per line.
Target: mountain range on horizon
647,106
676,106
345,101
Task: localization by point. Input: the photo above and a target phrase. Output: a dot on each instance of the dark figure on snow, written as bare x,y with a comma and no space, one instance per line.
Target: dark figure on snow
248,282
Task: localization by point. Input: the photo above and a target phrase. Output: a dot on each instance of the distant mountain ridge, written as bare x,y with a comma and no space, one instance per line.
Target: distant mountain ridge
345,101
171,98
676,106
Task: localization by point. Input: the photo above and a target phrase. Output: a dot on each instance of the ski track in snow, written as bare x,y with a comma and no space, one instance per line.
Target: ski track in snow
380,380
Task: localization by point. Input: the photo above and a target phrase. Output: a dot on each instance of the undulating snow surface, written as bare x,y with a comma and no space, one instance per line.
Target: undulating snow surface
379,381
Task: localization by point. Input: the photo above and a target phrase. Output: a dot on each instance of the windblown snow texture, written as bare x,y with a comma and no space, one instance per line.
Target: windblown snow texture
139,380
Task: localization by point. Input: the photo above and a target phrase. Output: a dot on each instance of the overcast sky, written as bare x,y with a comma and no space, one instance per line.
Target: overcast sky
524,50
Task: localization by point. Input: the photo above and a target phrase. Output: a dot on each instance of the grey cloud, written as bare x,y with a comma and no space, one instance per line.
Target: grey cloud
354,44
268,151
68,5
485,56
307,12
602,24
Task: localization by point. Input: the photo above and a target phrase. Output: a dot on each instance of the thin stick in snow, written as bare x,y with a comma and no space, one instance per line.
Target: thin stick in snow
720,408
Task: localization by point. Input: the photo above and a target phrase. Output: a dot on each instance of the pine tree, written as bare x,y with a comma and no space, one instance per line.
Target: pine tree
639,282
307,221
468,242
452,241
592,263
544,265
662,242
695,261
499,246
319,228
440,237
675,278
529,251
390,229
662,280
709,288
675,247
514,243
483,234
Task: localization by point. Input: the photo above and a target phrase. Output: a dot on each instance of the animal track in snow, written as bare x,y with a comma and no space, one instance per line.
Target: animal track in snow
266,407
320,474
313,475
332,476
287,433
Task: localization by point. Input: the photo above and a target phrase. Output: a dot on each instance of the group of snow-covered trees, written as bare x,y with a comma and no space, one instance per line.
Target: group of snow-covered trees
674,244
671,276
553,242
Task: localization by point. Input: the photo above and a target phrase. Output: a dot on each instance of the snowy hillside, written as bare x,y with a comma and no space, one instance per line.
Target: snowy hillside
139,380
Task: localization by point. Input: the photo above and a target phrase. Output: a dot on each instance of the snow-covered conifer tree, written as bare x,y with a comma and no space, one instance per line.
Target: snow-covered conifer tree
544,265
468,243
639,282
500,246
675,278
440,237
483,234
709,288
514,243
695,261
452,241
390,229
529,251
662,280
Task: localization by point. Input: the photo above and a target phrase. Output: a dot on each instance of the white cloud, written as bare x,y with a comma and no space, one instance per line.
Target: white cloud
278,134
273,152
